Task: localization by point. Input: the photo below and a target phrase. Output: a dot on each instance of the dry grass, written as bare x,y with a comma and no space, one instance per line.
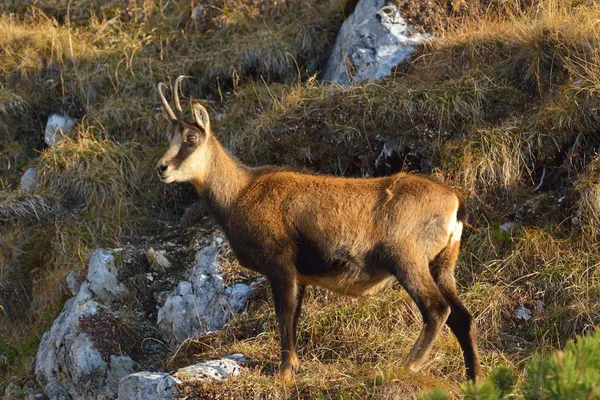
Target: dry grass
502,106
350,348
27,207
588,187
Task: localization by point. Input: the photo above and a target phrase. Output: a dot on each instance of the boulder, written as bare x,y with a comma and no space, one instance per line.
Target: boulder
371,42
68,364
30,179
148,386
211,369
202,303
102,276
163,386
56,128
158,260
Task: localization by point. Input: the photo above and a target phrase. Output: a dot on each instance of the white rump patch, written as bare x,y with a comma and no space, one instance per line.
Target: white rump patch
456,234
455,228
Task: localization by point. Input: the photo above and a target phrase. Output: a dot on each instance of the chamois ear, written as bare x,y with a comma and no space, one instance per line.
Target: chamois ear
201,117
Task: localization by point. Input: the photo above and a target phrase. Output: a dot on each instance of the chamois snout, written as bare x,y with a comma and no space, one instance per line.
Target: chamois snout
161,169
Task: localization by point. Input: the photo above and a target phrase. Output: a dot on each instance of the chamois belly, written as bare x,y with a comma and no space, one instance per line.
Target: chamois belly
350,285
340,268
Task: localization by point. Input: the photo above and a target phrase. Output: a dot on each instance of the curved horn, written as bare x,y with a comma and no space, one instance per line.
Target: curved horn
176,92
165,102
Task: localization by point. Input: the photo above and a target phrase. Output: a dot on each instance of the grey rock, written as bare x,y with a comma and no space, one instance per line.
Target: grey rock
209,370
68,365
508,226
162,386
30,179
371,42
158,260
120,366
148,386
523,314
102,276
206,260
202,303
12,391
56,128
73,282
198,13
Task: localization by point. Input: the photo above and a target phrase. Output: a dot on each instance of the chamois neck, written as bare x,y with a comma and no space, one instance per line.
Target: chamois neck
225,178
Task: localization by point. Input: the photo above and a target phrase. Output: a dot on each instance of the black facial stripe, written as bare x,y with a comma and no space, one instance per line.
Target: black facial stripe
183,153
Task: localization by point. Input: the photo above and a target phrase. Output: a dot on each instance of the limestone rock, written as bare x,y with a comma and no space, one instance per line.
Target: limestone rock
211,370
30,179
163,386
148,386
508,226
102,276
73,283
56,128
68,365
158,260
371,42
83,356
202,303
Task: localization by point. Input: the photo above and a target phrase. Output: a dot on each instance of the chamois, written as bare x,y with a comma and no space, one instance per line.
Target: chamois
350,235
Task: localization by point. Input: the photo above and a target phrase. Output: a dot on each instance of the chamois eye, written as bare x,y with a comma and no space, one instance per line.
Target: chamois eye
191,140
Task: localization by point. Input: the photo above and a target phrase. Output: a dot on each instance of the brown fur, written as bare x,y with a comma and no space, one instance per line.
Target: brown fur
351,236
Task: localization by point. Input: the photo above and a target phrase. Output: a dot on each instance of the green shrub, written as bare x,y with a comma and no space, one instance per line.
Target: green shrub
573,373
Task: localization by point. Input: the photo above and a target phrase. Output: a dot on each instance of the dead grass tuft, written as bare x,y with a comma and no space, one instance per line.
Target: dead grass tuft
27,207
588,188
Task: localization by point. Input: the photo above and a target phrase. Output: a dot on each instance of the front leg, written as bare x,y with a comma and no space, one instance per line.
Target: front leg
285,295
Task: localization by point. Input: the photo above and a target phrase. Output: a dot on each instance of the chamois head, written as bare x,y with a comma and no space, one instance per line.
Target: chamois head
185,160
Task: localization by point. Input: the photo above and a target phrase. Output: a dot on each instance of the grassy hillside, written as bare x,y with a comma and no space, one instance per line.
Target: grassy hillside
502,105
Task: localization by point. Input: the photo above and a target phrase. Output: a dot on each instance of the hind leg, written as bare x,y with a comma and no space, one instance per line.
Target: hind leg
299,298
460,320
412,271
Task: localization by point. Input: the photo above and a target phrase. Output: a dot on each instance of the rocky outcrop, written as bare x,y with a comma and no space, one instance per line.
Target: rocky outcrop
371,42
68,364
73,283
202,303
87,354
